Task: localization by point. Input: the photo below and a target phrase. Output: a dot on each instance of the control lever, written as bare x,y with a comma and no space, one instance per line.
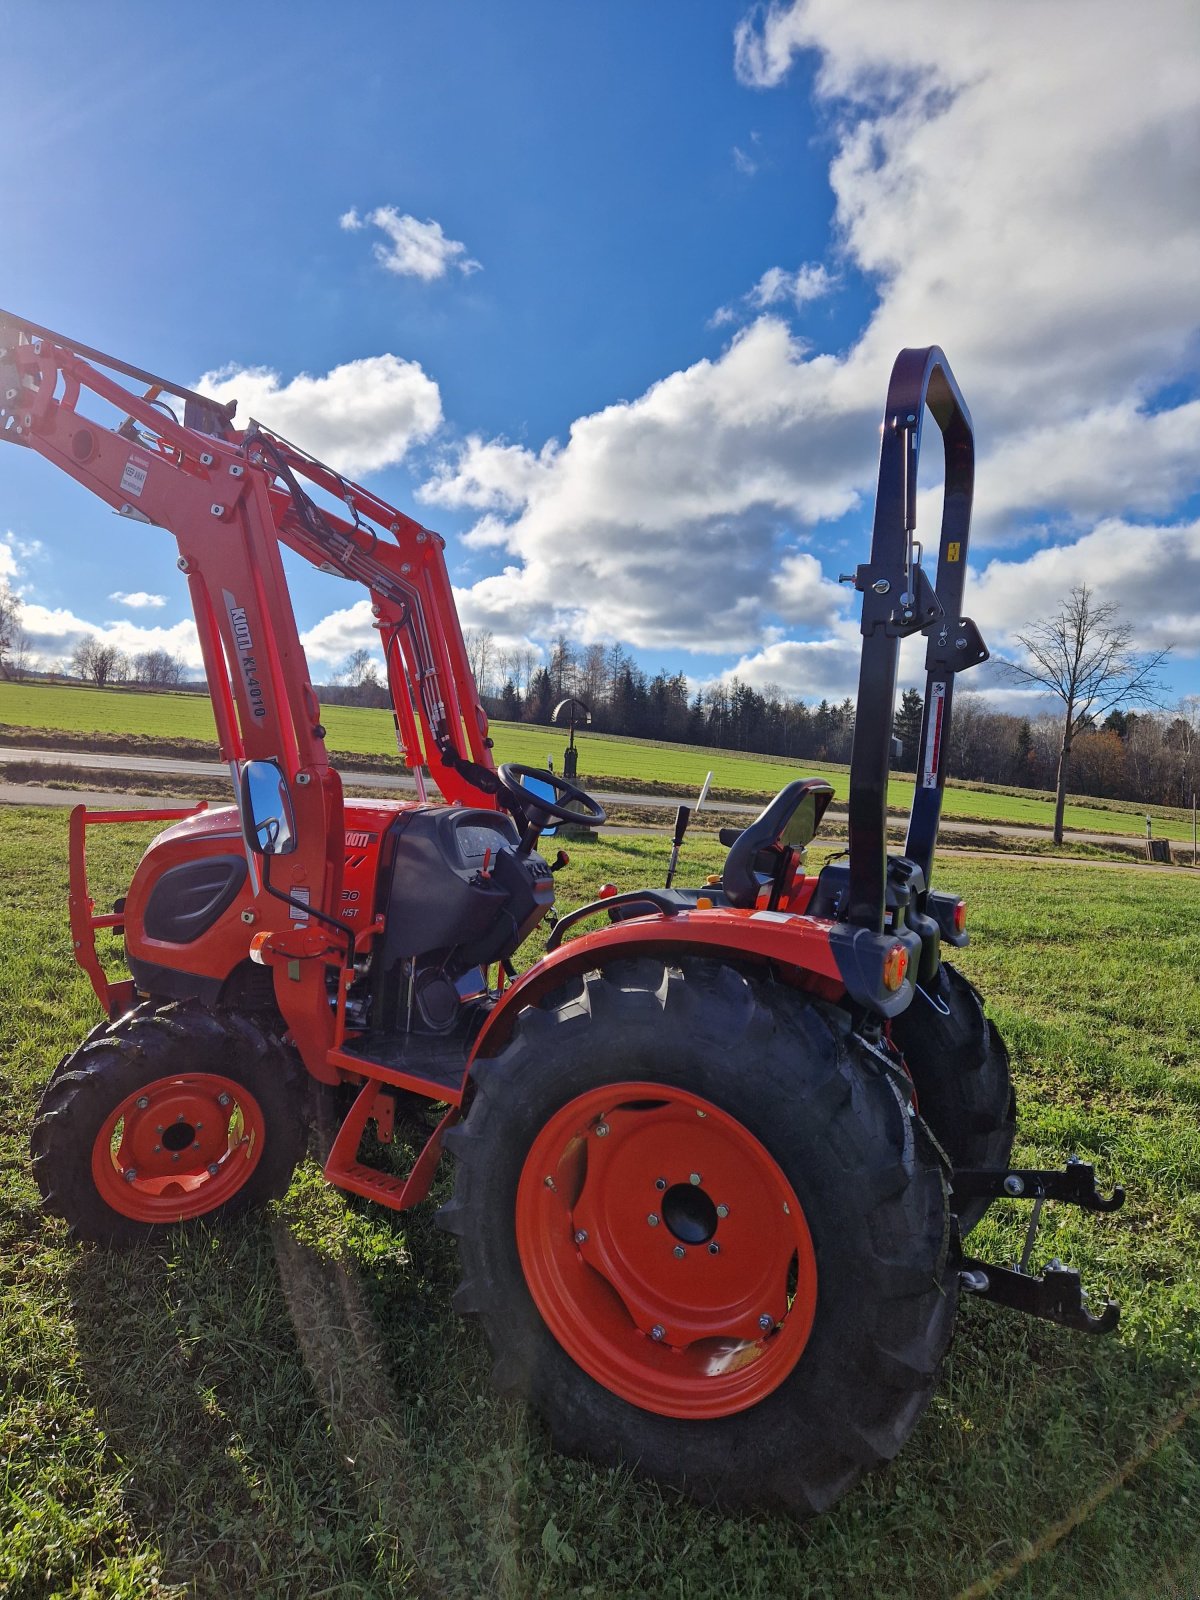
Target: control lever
682,817
561,860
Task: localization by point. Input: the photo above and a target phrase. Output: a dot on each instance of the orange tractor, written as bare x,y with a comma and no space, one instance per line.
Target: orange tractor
715,1156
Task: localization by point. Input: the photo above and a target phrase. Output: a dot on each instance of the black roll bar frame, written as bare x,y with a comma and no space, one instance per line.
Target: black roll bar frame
899,600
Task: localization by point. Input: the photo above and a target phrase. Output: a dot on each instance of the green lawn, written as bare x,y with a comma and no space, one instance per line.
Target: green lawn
604,758
290,1407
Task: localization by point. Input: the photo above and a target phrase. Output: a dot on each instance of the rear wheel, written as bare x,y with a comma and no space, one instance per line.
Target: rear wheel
164,1117
959,1067
704,1235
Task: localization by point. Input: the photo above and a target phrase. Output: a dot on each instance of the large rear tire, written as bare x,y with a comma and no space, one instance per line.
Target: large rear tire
704,1234
168,1116
959,1067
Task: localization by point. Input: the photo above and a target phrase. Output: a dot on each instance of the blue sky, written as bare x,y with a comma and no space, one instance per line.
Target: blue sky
609,295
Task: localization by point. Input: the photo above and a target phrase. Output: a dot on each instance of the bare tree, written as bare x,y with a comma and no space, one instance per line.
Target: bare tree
360,674
158,668
102,663
1084,656
10,626
21,656
480,643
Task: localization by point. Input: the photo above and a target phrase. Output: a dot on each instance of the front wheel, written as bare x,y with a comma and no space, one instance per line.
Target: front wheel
167,1116
704,1234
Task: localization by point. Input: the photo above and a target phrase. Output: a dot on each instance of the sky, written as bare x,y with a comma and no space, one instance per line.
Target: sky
609,296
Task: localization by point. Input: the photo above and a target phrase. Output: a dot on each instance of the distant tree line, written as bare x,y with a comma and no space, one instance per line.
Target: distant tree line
1148,756
1152,757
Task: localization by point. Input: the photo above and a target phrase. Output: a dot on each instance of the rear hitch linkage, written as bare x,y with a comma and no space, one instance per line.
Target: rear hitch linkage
1055,1294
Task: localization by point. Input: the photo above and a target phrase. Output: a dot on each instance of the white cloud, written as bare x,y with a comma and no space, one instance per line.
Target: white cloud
9,565
333,638
359,417
777,287
494,474
1010,199
139,600
413,249
660,519
55,631
1151,573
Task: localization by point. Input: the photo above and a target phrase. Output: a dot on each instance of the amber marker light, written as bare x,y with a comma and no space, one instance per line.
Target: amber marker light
606,891
895,967
960,917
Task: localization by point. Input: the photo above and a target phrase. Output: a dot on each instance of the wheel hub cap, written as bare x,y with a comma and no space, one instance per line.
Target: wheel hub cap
669,1257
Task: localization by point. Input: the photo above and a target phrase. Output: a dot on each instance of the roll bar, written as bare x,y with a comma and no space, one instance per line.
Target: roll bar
898,600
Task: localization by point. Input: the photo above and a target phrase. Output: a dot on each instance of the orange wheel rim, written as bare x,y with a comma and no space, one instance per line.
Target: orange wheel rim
666,1250
178,1148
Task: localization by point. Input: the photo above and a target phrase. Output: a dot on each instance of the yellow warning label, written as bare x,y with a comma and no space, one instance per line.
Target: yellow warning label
954,551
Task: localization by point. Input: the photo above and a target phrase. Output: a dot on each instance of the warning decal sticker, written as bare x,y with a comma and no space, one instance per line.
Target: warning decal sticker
933,738
133,479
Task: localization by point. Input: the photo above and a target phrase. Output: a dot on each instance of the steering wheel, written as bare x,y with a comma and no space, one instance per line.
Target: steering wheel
510,774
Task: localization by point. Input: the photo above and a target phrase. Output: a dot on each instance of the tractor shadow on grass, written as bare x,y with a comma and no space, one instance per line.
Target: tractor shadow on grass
289,1418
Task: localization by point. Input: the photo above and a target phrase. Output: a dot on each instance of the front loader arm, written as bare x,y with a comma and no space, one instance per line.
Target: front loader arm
153,469
231,497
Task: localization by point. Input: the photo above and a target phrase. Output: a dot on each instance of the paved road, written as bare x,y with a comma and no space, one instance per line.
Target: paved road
104,761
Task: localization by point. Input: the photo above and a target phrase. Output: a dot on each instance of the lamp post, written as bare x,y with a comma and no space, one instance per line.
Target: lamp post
578,713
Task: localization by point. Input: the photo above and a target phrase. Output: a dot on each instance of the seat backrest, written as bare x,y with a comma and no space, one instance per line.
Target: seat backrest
791,819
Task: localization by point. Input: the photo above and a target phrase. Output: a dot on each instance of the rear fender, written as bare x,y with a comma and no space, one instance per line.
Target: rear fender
800,948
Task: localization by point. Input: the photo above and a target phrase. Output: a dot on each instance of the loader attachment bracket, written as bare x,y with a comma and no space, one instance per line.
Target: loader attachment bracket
1055,1295
955,646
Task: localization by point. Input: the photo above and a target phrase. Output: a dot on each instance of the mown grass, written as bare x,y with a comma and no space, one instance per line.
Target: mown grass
289,1406
604,758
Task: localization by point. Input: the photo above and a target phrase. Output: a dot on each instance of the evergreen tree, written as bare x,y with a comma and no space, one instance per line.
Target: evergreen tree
907,728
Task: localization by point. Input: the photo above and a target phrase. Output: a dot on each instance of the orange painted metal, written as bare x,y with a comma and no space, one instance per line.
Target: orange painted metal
665,1250
178,1148
115,998
344,1170
797,944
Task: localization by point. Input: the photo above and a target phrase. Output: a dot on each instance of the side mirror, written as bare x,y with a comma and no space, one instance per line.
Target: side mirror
268,824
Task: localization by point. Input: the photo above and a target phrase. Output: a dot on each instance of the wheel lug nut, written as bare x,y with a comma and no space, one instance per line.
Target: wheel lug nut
601,1129
548,1181
693,1177
679,1252
213,1169
766,1322
195,1144
714,1249
175,1157
660,1183
157,1149
656,1332
581,1236
222,1099
129,1174
722,1211
143,1100
652,1219
159,1129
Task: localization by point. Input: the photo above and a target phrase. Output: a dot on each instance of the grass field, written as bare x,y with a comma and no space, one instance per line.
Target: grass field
290,1407
605,759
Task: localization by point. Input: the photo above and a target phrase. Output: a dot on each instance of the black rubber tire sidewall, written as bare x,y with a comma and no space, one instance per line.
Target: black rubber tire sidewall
148,1045
841,1133
960,1070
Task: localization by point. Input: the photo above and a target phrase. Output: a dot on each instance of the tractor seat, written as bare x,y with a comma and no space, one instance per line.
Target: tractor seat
790,821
